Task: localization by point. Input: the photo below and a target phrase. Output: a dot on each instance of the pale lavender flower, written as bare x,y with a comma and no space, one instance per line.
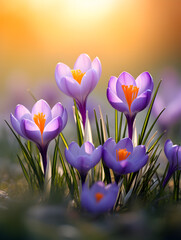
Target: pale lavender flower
173,154
130,96
122,157
99,198
79,82
41,125
83,158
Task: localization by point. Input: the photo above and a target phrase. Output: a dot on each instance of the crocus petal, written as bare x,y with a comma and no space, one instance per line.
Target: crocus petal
109,159
52,129
96,156
96,65
70,157
171,152
98,187
138,160
42,106
141,101
73,88
87,147
88,200
22,112
57,110
16,125
124,143
110,145
83,63
169,149
112,84
63,87
61,71
88,83
116,102
74,148
126,79
144,82
31,131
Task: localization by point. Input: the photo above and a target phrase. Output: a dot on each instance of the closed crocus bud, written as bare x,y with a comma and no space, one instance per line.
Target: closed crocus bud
122,157
80,81
130,96
99,198
41,125
173,154
83,158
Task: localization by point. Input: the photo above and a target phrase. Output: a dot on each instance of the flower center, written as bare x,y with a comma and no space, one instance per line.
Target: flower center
130,93
122,154
77,75
39,119
98,196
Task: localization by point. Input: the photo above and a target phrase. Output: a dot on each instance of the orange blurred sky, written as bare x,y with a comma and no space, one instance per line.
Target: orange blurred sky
127,35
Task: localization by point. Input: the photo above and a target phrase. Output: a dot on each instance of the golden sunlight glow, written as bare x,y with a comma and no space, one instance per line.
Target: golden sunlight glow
90,8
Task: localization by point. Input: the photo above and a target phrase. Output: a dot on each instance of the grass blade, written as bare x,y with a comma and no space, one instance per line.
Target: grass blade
145,124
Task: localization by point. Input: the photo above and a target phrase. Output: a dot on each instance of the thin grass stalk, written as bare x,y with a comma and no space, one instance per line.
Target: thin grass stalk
145,124
107,126
79,129
116,126
125,127
97,128
120,127
149,131
155,143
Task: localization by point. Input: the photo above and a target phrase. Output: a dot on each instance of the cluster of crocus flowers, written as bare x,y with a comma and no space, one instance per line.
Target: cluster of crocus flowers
99,198
80,81
83,158
125,94
41,125
122,157
130,96
173,154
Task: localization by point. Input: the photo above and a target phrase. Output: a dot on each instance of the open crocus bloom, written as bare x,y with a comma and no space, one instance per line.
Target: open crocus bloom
99,198
41,125
122,158
83,158
130,96
173,154
80,81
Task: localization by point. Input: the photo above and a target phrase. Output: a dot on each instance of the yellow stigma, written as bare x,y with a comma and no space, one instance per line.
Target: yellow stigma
130,93
39,119
122,154
77,75
99,196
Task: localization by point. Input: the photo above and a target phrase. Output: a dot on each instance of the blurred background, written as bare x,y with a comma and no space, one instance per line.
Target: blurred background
127,35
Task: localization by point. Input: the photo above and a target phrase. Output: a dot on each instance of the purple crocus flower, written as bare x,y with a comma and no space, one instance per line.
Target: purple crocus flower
173,154
83,158
169,96
99,198
41,125
79,82
130,96
122,157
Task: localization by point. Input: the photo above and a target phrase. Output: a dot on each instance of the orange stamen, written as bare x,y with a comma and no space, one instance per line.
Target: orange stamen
130,93
122,154
39,119
99,196
77,75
